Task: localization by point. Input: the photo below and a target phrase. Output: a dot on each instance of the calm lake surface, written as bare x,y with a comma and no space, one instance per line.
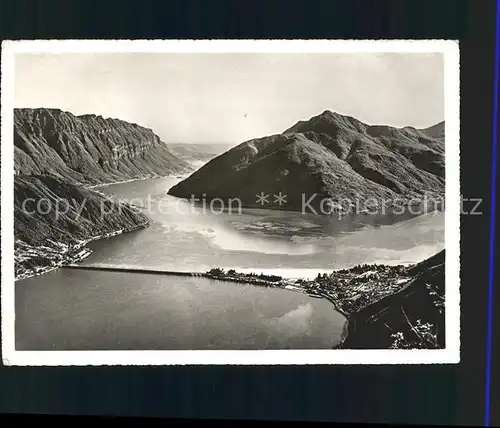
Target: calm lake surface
85,310
75,309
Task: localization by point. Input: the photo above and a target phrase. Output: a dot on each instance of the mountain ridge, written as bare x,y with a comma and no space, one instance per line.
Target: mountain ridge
89,148
331,155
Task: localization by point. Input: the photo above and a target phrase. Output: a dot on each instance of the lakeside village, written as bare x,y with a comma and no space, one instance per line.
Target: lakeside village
348,289
35,260
32,260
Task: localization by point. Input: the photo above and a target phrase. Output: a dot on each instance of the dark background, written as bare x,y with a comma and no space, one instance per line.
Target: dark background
439,394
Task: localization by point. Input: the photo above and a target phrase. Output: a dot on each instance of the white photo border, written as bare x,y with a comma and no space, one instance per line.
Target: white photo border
449,355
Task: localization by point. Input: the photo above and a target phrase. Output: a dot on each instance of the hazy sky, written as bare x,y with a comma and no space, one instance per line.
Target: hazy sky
234,97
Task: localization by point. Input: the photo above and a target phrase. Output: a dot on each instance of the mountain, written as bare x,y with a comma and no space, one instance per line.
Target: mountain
54,217
68,212
413,317
331,156
436,131
88,149
57,155
193,153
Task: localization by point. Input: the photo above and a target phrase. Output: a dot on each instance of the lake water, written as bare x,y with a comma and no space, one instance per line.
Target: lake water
192,239
85,310
75,309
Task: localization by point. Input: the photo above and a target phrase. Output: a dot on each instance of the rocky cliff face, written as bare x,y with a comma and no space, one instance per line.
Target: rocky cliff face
413,317
333,156
88,149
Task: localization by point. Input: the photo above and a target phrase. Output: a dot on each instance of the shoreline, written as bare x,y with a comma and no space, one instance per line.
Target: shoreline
102,185
385,280
256,280
71,253
66,253
394,280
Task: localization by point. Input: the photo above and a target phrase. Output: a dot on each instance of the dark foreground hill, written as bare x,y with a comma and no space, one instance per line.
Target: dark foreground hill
53,219
66,212
88,148
413,317
329,157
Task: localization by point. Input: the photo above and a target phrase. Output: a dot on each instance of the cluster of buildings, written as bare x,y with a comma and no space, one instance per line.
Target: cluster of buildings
246,278
355,288
34,260
348,289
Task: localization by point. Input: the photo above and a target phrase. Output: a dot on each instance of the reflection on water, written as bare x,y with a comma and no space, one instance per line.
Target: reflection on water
89,310
187,238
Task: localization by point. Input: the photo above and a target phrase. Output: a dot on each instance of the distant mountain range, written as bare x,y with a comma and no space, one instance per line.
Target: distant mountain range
193,153
331,155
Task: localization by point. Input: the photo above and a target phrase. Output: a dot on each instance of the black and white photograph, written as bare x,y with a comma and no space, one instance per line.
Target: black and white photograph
230,202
